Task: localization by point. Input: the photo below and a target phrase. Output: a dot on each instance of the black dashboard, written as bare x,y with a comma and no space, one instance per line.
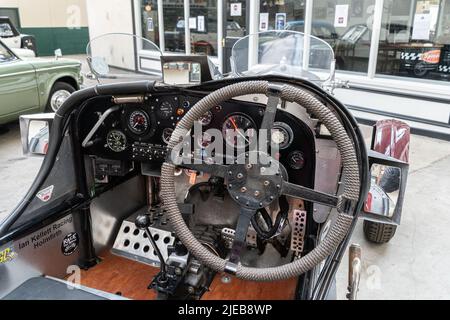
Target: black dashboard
138,132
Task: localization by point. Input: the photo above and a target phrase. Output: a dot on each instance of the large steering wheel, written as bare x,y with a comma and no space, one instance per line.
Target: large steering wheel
253,190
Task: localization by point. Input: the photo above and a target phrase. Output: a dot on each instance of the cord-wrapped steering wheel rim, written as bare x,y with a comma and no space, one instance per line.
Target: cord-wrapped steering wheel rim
351,181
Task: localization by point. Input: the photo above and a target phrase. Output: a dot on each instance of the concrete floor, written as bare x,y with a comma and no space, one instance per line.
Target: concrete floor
414,265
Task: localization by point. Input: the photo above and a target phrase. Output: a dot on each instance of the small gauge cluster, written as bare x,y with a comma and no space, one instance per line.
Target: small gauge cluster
143,131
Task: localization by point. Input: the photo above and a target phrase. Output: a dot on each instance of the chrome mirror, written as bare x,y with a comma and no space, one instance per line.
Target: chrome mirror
35,133
387,188
384,190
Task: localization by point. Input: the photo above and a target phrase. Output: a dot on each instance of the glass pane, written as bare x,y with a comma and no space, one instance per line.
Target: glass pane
203,27
5,55
174,25
5,30
150,26
415,39
346,25
235,25
282,14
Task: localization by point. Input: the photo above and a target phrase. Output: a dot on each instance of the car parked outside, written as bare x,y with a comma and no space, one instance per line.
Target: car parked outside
34,85
11,36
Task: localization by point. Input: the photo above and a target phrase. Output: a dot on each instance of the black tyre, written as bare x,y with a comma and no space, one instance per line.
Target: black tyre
59,93
379,232
390,181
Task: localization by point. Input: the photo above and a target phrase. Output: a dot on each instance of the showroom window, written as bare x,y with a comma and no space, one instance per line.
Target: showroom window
203,27
346,25
150,25
282,14
174,24
415,39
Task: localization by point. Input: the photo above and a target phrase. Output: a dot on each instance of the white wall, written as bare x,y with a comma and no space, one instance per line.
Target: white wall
106,16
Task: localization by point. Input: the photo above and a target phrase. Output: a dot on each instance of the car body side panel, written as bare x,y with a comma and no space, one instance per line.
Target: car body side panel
50,71
18,90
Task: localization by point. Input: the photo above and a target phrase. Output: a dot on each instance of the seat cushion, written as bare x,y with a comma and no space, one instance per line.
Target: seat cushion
43,288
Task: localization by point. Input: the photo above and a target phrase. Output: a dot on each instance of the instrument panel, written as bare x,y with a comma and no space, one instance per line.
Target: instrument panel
140,131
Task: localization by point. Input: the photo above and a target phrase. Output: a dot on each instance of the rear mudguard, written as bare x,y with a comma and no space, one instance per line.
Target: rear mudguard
391,138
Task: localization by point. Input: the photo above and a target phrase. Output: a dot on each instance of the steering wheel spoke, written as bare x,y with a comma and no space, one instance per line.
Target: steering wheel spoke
297,191
216,170
240,235
270,112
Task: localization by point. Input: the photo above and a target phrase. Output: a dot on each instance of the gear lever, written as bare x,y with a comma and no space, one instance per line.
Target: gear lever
143,222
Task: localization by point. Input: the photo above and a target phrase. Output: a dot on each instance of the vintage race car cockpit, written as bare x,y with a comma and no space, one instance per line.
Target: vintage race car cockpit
234,188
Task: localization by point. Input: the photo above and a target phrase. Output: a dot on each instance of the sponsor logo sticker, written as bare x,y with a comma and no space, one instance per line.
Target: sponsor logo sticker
7,255
431,57
45,194
70,243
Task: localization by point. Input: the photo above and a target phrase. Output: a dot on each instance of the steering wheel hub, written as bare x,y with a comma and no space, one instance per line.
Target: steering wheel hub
254,186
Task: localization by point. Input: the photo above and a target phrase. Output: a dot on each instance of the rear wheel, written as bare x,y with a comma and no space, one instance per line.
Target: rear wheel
379,232
59,93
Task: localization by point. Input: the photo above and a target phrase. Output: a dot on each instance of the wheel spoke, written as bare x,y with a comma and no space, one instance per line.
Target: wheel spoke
216,170
270,112
297,191
240,235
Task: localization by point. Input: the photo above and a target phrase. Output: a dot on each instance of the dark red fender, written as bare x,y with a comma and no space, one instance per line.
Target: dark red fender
391,138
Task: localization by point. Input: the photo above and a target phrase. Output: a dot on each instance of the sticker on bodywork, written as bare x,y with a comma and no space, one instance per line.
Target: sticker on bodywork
70,243
7,255
45,194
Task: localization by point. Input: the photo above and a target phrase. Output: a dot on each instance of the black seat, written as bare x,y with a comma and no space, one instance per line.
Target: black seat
42,288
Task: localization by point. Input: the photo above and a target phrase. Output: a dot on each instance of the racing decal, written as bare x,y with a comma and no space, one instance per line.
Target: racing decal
442,68
431,57
70,243
45,194
7,255
410,56
46,236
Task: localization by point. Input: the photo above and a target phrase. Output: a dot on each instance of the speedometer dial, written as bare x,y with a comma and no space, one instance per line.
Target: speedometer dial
116,141
238,130
138,122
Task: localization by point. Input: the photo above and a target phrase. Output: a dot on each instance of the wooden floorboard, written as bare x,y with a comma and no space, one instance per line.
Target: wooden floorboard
239,289
130,278
120,275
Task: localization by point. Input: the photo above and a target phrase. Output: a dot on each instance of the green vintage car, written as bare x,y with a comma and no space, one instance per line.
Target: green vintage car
35,85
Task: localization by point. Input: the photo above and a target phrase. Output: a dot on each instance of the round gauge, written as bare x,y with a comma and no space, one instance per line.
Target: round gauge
138,122
206,119
296,160
166,110
282,135
167,134
204,140
238,129
116,141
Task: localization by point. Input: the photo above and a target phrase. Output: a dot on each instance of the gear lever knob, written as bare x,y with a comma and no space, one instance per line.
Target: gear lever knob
143,221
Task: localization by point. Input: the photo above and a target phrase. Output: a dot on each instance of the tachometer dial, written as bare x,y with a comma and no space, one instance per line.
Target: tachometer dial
166,109
282,135
296,160
206,119
138,122
116,141
167,134
238,130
